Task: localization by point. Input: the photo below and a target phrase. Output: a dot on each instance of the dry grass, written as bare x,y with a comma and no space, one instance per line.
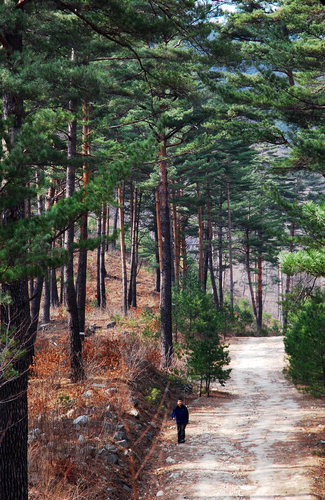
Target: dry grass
121,369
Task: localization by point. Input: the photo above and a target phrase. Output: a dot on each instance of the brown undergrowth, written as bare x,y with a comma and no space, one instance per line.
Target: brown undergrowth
125,398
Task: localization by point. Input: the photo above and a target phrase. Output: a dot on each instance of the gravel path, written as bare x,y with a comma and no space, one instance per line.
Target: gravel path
246,443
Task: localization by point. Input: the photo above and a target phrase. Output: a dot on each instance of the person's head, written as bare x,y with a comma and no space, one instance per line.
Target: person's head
180,402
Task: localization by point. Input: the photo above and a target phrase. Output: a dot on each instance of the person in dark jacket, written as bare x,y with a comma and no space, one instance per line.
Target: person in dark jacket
180,413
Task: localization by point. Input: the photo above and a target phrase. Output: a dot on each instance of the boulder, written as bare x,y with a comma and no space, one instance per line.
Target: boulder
81,420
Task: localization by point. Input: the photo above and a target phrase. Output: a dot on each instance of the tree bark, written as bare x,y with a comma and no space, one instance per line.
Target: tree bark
166,267
157,285
210,252
122,246
200,231
288,280
98,276
76,365
132,297
103,273
259,298
81,286
176,237
220,252
249,274
230,250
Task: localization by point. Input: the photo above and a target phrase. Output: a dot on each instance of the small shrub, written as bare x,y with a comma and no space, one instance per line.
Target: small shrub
305,344
154,394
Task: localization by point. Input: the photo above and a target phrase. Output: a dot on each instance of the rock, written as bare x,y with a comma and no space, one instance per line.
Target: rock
34,434
88,394
111,458
110,448
89,451
120,427
81,439
81,420
120,435
134,413
101,386
69,413
170,460
111,390
123,443
126,487
160,493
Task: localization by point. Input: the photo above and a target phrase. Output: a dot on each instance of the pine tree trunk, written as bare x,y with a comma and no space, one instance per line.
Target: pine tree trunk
123,252
16,320
176,237
115,224
159,235
81,286
288,280
157,286
103,273
98,287
230,250
76,365
166,268
220,252
132,297
249,274
200,231
47,299
210,252
54,289
259,299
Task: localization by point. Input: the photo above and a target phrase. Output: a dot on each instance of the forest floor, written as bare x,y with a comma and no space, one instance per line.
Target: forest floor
258,440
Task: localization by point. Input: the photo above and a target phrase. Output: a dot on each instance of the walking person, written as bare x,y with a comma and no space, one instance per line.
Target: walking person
180,413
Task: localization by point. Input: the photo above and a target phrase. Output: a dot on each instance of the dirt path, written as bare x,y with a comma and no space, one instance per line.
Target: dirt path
251,442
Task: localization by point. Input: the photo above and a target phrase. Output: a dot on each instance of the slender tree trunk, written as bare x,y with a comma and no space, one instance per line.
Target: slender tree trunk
108,213
201,244
259,299
98,287
76,366
159,235
288,280
103,273
220,252
157,287
210,252
166,268
231,271
123,252
54,289
132,297
81,286
47,299
176,237
115,224
249,274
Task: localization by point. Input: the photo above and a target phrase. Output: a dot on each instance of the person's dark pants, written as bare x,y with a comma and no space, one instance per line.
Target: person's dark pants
181,432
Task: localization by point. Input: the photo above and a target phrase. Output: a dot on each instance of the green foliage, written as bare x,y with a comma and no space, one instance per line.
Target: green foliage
10,354
153,395
151,328
201,324
305,343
